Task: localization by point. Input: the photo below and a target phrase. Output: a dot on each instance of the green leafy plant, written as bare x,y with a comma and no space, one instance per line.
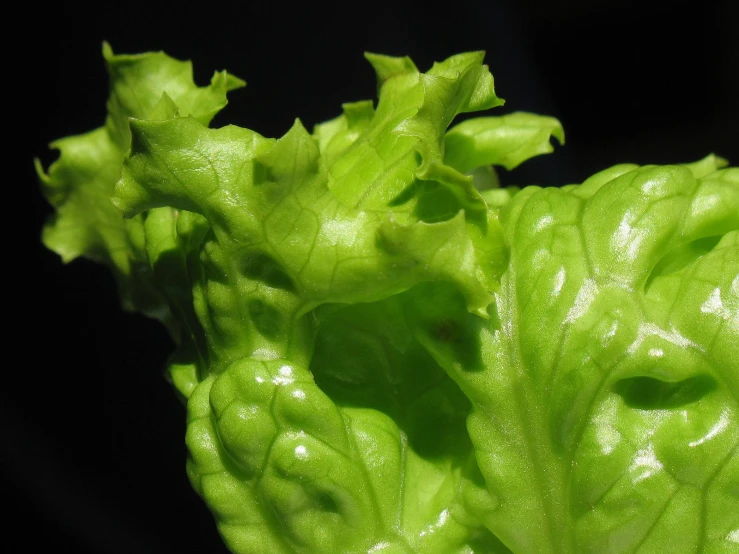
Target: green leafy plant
381,350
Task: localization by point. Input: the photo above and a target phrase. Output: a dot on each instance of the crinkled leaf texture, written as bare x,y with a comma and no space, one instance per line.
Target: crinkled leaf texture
381,351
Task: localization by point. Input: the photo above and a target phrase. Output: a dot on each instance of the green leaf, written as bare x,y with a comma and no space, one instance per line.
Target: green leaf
138,82
79,184
284,467
390,66
604,411
506,140
87,224
299,244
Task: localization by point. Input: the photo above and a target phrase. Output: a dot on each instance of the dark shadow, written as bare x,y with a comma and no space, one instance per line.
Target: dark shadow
647,393
261,267
680,257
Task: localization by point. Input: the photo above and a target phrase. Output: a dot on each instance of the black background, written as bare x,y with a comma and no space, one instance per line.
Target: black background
92,436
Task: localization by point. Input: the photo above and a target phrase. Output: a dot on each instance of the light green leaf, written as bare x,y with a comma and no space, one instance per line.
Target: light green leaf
605,411
80,182
506,140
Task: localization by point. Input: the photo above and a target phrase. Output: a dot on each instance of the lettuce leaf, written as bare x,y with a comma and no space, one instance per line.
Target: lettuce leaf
383,351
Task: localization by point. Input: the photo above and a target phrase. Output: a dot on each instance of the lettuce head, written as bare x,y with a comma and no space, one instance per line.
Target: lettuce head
383,351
